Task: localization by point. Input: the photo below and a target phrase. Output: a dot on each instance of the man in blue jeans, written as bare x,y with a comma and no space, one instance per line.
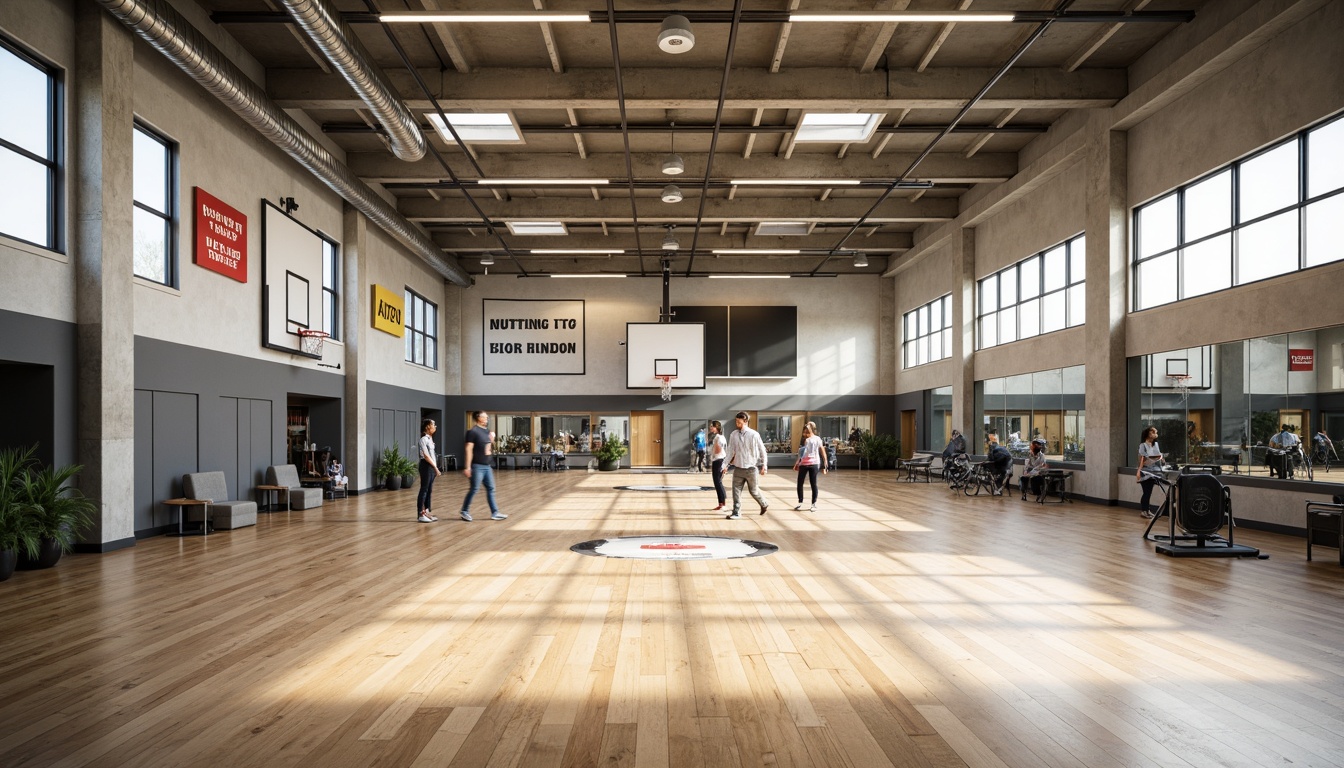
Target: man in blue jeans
479,446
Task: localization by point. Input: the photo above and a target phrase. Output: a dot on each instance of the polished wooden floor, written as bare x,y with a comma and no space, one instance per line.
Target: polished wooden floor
899,625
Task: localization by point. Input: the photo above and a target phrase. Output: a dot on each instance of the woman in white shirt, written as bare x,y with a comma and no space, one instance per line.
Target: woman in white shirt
811,459
718,451
1150,458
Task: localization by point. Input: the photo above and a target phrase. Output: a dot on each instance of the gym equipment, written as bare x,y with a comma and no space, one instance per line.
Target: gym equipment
1202,503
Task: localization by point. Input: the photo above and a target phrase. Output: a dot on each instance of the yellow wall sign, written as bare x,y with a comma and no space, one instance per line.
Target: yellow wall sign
389,311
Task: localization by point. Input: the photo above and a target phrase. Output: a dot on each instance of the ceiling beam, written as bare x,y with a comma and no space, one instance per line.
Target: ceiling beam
464,243
939,167
1100,37
585,210
444,32
830,88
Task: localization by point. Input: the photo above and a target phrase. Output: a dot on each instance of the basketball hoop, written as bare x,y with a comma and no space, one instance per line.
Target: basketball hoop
1181,383
310,342
666,387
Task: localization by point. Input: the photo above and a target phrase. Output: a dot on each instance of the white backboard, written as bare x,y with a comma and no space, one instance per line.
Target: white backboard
651,346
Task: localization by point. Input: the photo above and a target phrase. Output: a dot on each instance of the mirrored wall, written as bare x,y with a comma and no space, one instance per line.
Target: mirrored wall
1047,404
1229,404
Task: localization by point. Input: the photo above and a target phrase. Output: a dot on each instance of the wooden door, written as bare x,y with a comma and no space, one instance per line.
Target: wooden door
646,438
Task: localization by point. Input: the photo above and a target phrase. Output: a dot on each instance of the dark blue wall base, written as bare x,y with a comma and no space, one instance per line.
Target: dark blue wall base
98,548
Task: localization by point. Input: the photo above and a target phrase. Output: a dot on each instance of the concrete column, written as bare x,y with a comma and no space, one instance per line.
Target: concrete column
450,344
1107,229
102,255
888,340
963,339
355,314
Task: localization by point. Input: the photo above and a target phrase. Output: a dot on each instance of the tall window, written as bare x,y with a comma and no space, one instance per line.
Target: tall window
1040,294
928,333
30,132
155,213
1277,211
1046,404
331,275
422,321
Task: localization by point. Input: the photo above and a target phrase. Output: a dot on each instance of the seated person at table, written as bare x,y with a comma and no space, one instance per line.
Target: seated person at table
336,473
1286,441
954,446
1035,465
1000,464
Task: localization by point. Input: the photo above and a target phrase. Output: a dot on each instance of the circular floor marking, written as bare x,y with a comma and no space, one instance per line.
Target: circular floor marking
674,548
664,487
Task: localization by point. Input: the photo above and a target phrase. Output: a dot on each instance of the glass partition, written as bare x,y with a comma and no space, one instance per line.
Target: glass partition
844,427
513,432
1229,404
618,425
561,431
776,431
940,417
1045,404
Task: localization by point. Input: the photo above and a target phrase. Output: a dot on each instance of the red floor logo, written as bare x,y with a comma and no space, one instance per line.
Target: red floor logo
674,548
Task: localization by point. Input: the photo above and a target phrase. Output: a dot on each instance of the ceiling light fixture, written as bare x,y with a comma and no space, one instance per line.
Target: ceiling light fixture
480,17
670,242
795,182
673,165
757,251
860,260
577,251
749,277
857,17
676,36
487,260
542,182
478,127
837,126
537,227
595,274
671,194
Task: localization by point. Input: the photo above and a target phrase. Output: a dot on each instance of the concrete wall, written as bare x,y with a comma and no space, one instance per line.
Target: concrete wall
389,266
929,279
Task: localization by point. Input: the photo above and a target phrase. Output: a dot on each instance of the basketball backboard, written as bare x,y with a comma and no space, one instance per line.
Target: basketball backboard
665,349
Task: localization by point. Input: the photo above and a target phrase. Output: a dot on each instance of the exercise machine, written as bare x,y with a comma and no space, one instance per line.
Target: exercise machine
1197,502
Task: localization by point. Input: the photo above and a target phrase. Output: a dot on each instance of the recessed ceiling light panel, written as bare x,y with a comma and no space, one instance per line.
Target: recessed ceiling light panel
837,127
478,127
537,227
782,229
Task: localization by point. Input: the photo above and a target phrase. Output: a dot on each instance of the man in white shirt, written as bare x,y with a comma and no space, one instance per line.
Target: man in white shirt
1286,440
746,457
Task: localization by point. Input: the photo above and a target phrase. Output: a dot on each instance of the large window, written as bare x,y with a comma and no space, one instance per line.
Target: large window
940,417
1275,212
331,276
155,206
422,322
1047,404
1040,294
30,133
928,333
1224,403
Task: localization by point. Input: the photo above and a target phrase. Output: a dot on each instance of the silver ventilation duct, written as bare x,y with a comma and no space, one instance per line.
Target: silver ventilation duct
338,44
166,30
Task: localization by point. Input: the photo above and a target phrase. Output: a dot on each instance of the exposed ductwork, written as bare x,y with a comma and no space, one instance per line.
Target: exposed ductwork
164,29
337,42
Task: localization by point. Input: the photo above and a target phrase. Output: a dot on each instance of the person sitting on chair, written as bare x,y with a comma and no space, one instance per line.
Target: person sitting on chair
1035,465
1285,441
336,474
954,446
1000,464
1323,447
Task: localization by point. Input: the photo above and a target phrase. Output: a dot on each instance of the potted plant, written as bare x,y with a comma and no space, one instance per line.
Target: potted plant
609,454
406,468
56,512
388,470
17,532
880,450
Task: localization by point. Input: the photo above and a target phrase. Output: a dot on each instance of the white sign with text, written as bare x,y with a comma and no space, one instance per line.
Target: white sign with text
532,336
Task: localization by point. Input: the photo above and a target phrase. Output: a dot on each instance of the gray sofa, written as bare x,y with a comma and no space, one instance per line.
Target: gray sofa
224,514
288,476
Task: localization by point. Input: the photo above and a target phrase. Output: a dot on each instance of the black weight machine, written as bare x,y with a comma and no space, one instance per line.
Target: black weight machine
1202,503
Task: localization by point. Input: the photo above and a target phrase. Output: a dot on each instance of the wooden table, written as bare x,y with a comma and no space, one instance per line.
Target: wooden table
273,492
182,505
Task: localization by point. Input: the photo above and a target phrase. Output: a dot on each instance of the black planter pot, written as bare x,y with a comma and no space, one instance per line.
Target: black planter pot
608,465
8,560
48,554
407,481
394,483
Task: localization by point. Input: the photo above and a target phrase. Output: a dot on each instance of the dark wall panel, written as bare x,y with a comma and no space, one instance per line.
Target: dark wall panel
30,420
145,500
763,341
176,441
48,343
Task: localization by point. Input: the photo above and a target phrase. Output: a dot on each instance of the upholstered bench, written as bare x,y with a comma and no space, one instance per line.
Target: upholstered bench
224,514
288,476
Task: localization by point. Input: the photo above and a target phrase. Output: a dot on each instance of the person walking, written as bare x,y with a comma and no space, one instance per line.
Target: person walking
1150,462
811,459
429,469
700,445
746,457
479,446
718,450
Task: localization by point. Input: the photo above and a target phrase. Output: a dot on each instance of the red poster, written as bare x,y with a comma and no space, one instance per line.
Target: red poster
221,236
1301,359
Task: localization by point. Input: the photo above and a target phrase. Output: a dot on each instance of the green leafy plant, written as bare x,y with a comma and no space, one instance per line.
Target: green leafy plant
56,511
386,464
881,450
612,449
18,530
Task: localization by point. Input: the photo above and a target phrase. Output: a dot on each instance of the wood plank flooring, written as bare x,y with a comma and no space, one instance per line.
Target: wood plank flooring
899,625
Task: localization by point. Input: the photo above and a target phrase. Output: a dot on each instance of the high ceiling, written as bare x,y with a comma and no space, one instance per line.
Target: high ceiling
562,82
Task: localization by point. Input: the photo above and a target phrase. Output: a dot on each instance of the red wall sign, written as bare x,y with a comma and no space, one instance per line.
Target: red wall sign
1301,359
221,236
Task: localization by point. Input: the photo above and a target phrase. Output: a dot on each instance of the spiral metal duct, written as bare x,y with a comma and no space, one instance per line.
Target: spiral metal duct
338,44
164,29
